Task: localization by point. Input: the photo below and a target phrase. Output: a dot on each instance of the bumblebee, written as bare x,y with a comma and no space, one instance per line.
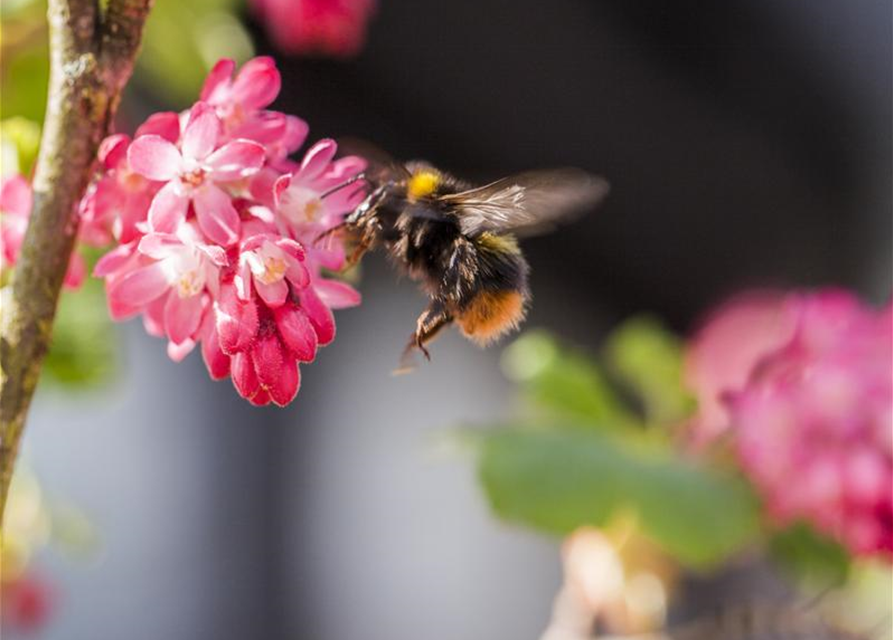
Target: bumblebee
460,241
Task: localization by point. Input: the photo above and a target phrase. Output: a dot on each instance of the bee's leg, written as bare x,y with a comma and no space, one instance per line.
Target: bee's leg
432,320
371,230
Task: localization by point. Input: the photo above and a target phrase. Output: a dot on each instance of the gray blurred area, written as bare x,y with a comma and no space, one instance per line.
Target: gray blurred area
748,143
344,516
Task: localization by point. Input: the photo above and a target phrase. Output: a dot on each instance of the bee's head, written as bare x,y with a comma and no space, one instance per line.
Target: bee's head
422,183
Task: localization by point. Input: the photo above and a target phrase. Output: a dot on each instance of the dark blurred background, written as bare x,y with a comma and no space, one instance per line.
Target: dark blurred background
747,144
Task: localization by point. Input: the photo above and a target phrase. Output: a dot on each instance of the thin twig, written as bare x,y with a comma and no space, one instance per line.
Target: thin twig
91,58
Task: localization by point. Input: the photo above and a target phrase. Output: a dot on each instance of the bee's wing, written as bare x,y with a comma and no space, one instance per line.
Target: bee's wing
528,202
380,166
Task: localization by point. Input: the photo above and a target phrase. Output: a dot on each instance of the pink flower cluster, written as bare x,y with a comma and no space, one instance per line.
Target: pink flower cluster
803,384
318,27
217,232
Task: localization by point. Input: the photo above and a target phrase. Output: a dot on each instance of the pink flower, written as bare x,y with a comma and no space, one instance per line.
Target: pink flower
318,27
172,281
240,104
15,210
120,199
810,414
270,266
297,198
193,174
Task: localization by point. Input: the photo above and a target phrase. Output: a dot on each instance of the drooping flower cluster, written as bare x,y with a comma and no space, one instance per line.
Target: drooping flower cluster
804,385
217,232
317,27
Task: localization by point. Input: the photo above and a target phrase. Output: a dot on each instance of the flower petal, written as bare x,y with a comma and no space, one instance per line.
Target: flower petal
235,160
113,150
295,134
216,361
260,399
287,384
268,360
216,215
182,316
244,377
336,294
296,331
274,294
154,158
316,161
113,260
297,274
140,287
237,321
218,81
319,314
168,209
177,352
257,83
160,245
153,316
201,133
165,124
77,271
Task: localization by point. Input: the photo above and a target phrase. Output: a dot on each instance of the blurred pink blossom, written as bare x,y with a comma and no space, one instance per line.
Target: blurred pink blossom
334,28
806,390
15,209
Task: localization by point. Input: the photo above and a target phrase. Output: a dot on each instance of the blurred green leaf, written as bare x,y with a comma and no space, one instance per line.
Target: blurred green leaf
19,141
83,348
648,358
183,40
24,84
811,557
566,383
557,481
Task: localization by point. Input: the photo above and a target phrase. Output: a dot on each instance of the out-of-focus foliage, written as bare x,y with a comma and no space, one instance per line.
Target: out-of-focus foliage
84,340
183,40
648,359
815,559
24,65
561,383
558,480
589,457
19,141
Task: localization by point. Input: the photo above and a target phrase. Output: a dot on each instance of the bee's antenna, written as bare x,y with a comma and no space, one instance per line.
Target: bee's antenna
338,187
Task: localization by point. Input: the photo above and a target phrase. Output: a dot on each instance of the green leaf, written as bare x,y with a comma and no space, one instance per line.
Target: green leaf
83,348
565,383
557,481
811,557
648,358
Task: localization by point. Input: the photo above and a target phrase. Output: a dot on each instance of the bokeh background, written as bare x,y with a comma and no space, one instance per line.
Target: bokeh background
747,144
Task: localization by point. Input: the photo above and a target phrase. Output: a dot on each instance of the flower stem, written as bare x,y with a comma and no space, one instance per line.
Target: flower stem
92,52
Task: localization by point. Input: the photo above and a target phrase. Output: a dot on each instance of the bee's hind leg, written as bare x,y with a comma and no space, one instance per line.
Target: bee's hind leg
429,324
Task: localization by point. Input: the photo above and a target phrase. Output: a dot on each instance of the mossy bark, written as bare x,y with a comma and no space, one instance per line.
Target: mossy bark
91,58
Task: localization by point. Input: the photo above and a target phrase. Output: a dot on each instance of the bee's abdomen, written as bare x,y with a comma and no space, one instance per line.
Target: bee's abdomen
491,314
